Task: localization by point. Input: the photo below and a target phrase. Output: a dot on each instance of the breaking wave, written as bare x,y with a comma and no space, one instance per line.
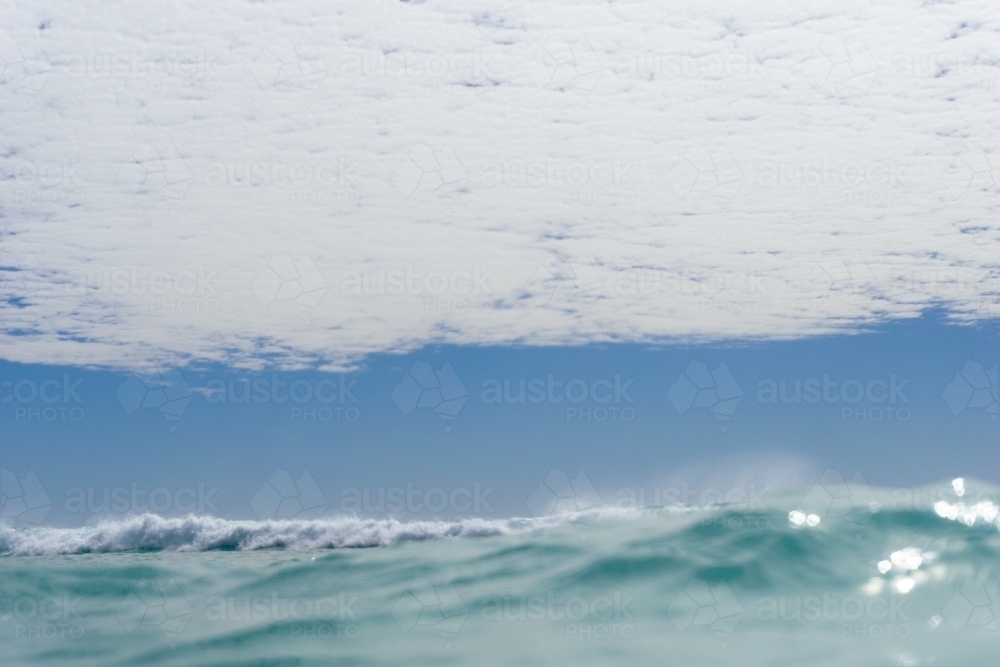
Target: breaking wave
150,532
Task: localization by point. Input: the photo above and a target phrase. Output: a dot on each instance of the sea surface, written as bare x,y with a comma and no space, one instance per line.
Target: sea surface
845,580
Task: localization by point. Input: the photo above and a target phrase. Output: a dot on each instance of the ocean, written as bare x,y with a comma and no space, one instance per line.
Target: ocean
838,580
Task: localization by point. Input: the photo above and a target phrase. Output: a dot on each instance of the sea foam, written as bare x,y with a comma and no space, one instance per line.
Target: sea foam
150,532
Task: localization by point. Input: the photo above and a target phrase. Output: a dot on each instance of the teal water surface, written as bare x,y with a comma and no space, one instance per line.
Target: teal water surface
659,587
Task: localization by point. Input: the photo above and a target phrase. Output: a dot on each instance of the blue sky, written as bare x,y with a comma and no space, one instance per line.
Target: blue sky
662,213
882,412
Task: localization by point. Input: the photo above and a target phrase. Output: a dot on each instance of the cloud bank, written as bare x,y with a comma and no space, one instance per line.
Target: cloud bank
297,184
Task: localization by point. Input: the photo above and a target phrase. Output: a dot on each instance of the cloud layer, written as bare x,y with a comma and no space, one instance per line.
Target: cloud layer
288,183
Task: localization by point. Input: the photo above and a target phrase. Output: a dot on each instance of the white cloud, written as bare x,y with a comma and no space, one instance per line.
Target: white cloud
812,204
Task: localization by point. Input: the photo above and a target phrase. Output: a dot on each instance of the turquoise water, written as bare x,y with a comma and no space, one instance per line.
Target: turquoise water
665,586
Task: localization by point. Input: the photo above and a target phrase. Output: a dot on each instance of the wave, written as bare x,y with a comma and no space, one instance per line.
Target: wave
918,569
826,511
151,532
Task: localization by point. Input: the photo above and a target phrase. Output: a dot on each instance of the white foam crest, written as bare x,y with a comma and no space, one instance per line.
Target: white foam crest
203,533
